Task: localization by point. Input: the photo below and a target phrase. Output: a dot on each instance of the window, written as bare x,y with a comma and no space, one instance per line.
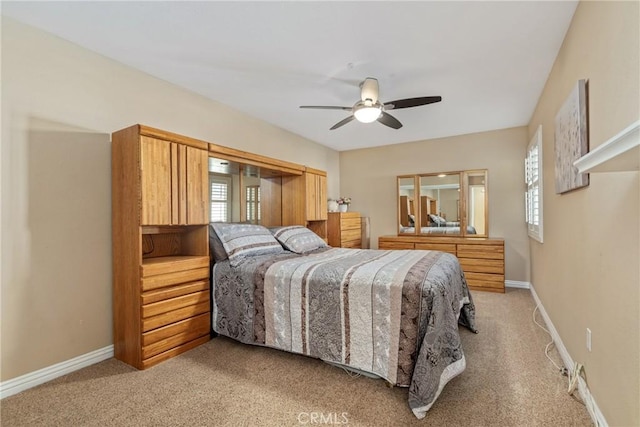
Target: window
253,204
533,179
220,198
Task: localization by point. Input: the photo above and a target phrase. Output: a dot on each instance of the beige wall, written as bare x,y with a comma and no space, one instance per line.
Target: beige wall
60,104
369,176
587,271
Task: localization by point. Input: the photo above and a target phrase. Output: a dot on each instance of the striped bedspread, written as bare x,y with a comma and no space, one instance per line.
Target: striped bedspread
391,313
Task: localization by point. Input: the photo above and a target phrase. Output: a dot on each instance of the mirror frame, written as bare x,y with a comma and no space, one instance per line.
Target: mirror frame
400,211
463,206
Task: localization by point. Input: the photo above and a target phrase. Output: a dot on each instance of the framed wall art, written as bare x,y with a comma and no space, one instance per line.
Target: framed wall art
572,139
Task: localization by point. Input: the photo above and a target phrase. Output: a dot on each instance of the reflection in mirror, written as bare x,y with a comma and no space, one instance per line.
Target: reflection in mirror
440,204
250,184
444,204
476,193
406,205
224,183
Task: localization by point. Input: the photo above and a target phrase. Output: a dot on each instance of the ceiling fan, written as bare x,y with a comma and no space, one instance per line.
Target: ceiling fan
369,108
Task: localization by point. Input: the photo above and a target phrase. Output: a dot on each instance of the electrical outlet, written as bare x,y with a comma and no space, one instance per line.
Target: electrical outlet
588,339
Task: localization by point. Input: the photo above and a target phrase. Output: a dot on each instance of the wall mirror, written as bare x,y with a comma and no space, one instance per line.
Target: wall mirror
477,205
224,190
407,208
241,192
234,191
444,204
440,204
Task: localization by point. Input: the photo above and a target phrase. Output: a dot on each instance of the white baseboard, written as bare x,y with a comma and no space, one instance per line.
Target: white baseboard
517,284
41,376
585,394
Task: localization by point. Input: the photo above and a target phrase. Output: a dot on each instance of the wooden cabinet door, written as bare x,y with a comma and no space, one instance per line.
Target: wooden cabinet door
322,197
155,178
294,203
174,180
316,200
197,179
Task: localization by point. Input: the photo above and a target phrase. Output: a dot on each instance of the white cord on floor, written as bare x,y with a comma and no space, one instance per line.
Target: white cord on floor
573,374
351,373
573,377
546,349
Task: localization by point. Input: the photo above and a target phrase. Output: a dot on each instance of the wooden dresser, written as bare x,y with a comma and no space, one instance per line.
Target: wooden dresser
344,230
482,260
160,216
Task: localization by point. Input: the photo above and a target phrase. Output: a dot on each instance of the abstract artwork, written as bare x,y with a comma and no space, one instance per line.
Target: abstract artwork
571,139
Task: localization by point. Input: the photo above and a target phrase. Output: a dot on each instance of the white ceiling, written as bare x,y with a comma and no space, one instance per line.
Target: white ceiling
488,60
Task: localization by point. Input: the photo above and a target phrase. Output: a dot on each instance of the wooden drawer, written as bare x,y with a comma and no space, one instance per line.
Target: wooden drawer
181,333
481,251
170,343
168,279
479,265
170,264
154,360
175,315
443,247
171,304
485,280
200,322
351,235
350,224
395,245
174,291
344,229
354,244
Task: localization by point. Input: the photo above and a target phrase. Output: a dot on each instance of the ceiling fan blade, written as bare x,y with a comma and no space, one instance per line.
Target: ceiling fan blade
411,102
326,107
343,122
388,120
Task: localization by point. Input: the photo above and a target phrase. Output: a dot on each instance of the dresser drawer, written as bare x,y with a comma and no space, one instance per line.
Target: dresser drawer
350,224
169,343
175,315
171,264
174,351
395,245
181,332
443,247
174,291
171,304
168,279
350,235
201,322
354,244
485,280
481,251
480,265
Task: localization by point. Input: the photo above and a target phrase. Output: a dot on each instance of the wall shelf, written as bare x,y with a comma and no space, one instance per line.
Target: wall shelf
618,154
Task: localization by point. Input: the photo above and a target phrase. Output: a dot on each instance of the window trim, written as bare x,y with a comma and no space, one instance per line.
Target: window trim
221,179
534,181
252,204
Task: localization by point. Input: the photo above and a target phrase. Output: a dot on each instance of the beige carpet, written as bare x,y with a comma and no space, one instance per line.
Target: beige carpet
508,382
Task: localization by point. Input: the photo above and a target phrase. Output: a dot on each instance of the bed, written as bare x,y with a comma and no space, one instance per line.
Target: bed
436,225
439,229
394,314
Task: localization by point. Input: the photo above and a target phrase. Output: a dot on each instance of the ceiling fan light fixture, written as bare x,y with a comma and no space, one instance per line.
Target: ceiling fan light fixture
370,109
367,112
